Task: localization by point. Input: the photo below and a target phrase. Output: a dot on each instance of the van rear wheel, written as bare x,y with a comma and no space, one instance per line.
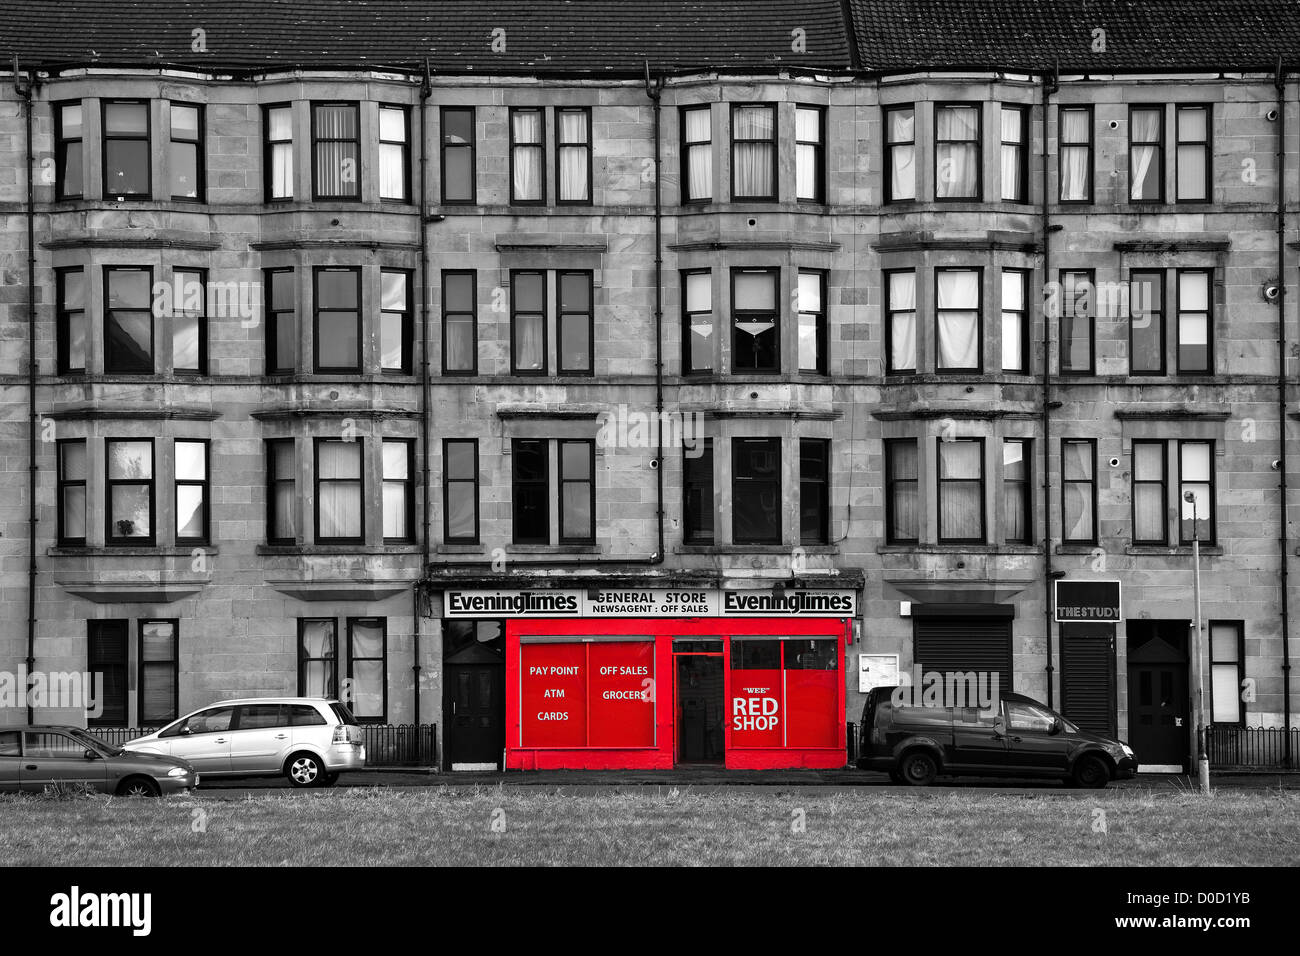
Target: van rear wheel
1091,773
304,770
919,769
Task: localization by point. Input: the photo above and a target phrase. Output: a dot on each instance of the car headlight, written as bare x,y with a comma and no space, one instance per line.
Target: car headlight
178,772
1128,751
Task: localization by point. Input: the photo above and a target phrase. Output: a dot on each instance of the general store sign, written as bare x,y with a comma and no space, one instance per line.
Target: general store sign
652,602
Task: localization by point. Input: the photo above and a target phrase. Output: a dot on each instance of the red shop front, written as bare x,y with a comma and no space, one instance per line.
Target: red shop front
641,692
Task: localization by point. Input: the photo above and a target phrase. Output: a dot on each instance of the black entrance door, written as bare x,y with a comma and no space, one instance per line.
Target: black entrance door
473,697
700,701
1159,708
1088,676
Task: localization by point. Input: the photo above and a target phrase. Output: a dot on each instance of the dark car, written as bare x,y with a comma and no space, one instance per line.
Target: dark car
1015,737
32,758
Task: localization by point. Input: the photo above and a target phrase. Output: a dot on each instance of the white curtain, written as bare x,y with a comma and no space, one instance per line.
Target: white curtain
1013,314
527,162
573,159
320,656
902,172
286,499
395,474
960,509
958,307
1074,148
755,170
336,151
958,161
368,677
903,471
902,331
1148,503
1144,155
810,318
339,481
1076,467
1011,154
699,158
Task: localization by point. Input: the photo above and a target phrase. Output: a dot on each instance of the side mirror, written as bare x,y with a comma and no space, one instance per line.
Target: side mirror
1056,727
91,755
185,731
999,725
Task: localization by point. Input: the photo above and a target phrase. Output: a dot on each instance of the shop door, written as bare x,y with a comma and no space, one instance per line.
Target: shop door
1088,676
473,695
1159,708
698,687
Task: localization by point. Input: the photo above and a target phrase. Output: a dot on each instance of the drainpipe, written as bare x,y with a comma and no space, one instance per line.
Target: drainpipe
24,89
426,89
1283,535
1050,86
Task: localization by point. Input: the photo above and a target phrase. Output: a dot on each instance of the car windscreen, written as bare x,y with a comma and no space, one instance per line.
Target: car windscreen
91,740
342,713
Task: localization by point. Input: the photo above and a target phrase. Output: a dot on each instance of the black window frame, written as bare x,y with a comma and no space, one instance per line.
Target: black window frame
63,321
686,198
1239,665
1026,490
448,314
1067,308
317,368
562,145
1212,494
202,318
737,487
63,483
1162,484
407,485
890,146
151,720
303,660
111,195
588,537
407,327
1091,482
699,518
978,368
774,315
359,481
1022,320
268,151
819,154
382,718
153,331
1161,144
820,318
813,452
445,147
892,481
561,314
515,313
517,485
1090,145
61,145
110,483
316,140
204,484
1022,146
405,143
1160,315
941,481
890,312
771,142
1207,146
274,361
200,152
978,109
103,665
448,480
540,146
1179,312
688,366
275,479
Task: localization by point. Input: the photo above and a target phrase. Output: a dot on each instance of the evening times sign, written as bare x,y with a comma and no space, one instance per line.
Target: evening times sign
638,602
1090,602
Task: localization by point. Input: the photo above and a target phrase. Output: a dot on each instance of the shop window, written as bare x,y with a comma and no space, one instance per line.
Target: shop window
697,154
126,149
756,490
70,320
1146,340
394,153
1150,493
528,322
191,492
591,694
697,482
1075,153
189,321
281,322
130,492
699,332
318,657
530,494
810,153
1196,478
814,491
958,320
900,153
337,322
527,156
756,327
366,691
159,672
128,321
753,153
957,153
277,152
576,324
1015,320
1227,670
902,492
1146,153
961,490
396,322
1017,491
573,155
784,692
1077,309
106,660
459,323
69,162
577,492
185,159
340,517
1194,322
398,491
1193,156
72,474
458,155
1015,153
900,321
336,150
812,321
281,492
1079,490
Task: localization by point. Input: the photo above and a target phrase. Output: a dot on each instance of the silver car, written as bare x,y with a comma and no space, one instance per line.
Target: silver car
310,740
33,758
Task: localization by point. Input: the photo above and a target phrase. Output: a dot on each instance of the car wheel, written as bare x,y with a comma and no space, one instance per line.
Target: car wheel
1091,773
138,787
919,769
304,770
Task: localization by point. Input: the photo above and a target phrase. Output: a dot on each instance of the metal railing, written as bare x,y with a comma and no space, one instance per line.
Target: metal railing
387,745
1251,748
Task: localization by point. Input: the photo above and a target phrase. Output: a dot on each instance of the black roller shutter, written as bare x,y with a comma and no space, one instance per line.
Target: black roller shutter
951,643
1088,676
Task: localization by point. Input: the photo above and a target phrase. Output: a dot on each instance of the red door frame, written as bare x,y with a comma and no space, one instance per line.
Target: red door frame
662,631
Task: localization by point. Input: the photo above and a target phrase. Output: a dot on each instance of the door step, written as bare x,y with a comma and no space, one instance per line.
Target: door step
474,766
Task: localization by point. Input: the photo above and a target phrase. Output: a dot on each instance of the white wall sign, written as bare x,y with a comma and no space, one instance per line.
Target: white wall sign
877,670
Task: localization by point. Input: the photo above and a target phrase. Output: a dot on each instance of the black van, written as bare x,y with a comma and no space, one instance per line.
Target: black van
1018,737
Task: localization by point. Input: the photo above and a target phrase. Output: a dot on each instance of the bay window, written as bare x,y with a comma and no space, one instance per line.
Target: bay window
281,321
810,153
126,149
159,657
69,151
336,149
1015,320
128,321
1015,154
340,515
281,492
530,491
699,332
900,321
900,153
756,329
814,490
337,325
961,490
277,152
697,485
318,657
756,504
697,154
129,487
394,153
70,320
812,321
73,472
185,159
902,491
190,322
753,153
957,173
1017,491
958,323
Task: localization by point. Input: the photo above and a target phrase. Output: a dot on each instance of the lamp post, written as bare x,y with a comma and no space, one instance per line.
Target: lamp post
1198,670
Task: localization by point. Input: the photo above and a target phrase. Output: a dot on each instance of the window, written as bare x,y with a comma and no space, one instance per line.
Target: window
106,659
459,323
399,490
1029,718
340,517
697,154
530,491
573,154
460,490
814,490
191,492
69,161
1146,153
1015,153
756,504
1075,153
1079,490
281,492
1146,339
130,491
159,672
70,320
957,173
1192,158
577,491
458,159
699,336
126,149
1150,493
394,153
1196,478
277,154
902,491
367,687
1076,305
72,474
959,325
189,322
185,160
576,323
396,321
336,148
337,326
1227,656
756,326
961,491
128,321
697,484
812,321
318,657
900,153
281,322
1015,321
810,153
1194,325
527,156
900,321
1017,491
753,153
528,322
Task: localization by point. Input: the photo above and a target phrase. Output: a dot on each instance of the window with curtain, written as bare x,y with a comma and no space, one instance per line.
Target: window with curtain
1196,478
1193,155
191,477
71,479
756,503
957,152
1146,341
528,322
961,490
1078,490
900,322
159,670
1076,305
336,149
900,153
398,490
1075,153
530,491
318,657
394,153
1149,493
367,663
1015,153
339,491
128,321
126,149
281,492
527,155
338,319
396,323
575,324
189,322
756,324
699,337
577,491
130,491
810,153
1194,325
458,149
459,323
1017,494
281,321
697,154
185,157
70,320
902,491
69,168
814,490
957,311
697,485
460,490
1227,662
812,321
573,154
106,655
1015,321
1146,160
277,122
753,152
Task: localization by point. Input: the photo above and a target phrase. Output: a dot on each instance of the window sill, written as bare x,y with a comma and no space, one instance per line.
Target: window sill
557,549
781,549
1184,550
330,549
958,549
130,550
